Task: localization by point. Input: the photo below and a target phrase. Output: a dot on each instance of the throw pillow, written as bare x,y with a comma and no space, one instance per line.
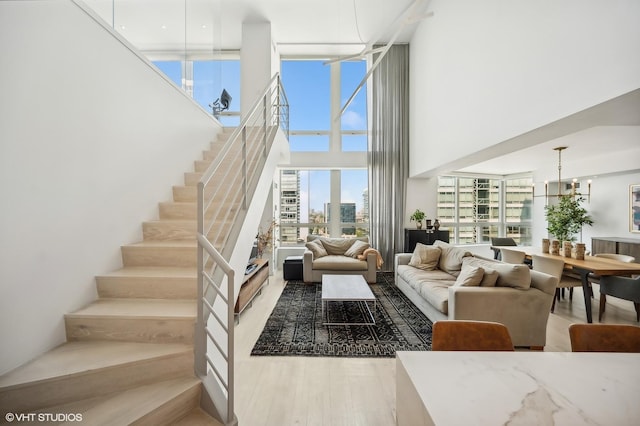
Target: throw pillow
425,257
490,274
450,258
336,246
316,248
470,276
490,277
516,276
357,248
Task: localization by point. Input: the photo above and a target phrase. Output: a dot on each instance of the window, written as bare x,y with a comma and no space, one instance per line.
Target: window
354,119
204,80
172,69
209,78
354,193
477,209
330,201
308,87
305,204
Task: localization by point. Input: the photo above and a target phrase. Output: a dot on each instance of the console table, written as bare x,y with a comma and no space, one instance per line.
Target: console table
424,236
628,246
252,284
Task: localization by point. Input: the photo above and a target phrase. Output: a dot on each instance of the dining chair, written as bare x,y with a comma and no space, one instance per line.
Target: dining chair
555,268
463,335
604,338
615,256
617,288
499,241
626,288
512,256
621,257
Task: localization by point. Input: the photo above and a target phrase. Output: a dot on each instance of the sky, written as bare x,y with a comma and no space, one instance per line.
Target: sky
307,85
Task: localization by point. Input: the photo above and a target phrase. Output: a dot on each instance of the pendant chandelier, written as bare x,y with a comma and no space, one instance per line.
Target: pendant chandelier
574,182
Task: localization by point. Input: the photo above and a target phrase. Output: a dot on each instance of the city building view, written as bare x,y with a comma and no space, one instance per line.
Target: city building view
477,209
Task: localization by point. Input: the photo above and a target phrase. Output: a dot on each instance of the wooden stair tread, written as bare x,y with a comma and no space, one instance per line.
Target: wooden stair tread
138,308
154,272
160,252
184,222
85,356
149,282
197,417
165,243
135,404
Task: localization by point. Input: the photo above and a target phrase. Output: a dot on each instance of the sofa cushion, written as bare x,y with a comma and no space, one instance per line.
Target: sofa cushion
490,274
313,237
436,293
339,262
316,248
356,249
411,274
511,275
450,257
425,257
336,246
470,276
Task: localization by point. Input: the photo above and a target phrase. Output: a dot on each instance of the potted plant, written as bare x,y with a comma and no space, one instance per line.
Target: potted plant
418,216
567,218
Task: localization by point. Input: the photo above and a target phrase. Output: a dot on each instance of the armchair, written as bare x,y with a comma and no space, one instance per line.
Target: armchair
341,256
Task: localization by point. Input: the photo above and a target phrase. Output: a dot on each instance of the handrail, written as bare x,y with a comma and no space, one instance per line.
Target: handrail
206,177
221,211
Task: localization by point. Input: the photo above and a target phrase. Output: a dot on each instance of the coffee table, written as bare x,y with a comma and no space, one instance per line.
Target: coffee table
347,288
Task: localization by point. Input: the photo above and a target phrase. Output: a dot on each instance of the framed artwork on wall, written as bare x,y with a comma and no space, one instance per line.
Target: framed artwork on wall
634,208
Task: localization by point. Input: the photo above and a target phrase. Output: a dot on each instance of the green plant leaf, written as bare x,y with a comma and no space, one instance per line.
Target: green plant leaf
566,218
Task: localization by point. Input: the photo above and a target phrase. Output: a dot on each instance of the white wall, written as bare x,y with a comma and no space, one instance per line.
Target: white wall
257,56
421,194
92,137
609,209
484,72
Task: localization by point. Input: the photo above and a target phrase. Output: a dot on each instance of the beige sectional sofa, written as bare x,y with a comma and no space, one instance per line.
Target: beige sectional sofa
447,282
338,256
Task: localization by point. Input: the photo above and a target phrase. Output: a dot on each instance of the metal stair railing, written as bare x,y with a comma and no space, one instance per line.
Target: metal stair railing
221,209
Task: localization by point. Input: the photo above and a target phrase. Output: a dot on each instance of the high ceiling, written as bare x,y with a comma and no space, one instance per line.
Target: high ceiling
314,27
331,28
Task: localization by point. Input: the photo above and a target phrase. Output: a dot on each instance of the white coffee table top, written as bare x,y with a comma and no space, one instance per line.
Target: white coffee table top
346,287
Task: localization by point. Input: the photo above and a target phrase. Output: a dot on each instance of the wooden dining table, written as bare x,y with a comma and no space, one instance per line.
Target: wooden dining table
591,265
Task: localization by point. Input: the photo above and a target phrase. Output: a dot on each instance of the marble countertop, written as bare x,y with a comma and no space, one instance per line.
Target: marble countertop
525,388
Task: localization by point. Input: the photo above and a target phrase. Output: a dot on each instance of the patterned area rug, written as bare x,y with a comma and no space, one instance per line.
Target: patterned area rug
295,325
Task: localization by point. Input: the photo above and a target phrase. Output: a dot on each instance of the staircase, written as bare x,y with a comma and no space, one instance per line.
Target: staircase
129,355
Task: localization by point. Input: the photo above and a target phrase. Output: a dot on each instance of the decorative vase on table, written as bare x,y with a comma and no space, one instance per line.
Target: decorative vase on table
580,250
555,247
566,248
545,245
419,224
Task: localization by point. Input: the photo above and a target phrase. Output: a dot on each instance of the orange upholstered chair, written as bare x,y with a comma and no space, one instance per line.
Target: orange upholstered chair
604,338
458,335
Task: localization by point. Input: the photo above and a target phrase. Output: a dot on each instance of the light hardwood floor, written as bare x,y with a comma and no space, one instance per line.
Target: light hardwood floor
349,391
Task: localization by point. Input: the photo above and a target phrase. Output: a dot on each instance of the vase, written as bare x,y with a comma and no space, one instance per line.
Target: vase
555,247
419,224
545,245
566,248
580,250
436,224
